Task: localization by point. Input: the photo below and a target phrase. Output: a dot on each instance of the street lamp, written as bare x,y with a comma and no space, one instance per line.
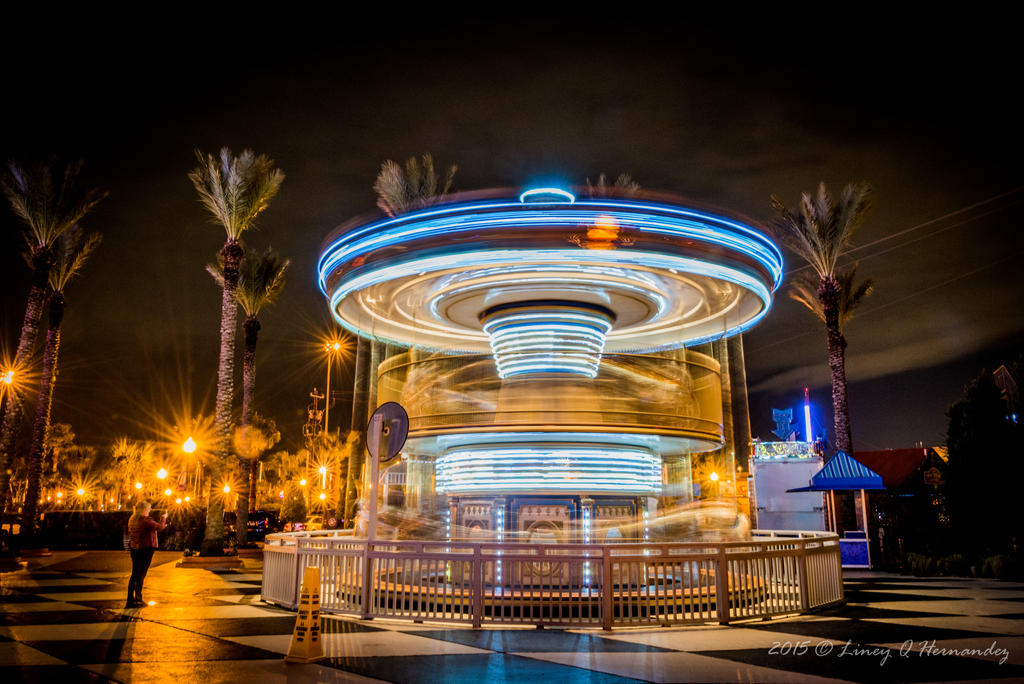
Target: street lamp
323,477
189,446
331,348
161,474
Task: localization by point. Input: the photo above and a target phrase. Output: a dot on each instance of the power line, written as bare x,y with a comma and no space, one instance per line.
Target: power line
937,219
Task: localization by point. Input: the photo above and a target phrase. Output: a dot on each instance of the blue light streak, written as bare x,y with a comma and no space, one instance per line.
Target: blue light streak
539,193
548,468
641,217
547,338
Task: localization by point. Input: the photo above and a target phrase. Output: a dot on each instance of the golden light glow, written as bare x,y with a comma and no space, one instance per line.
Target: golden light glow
161,474
714,477
187,499
167,492
323,470
178,500
227,489
7,377
81,492
138,485
322,496
60,494
302,482
189,446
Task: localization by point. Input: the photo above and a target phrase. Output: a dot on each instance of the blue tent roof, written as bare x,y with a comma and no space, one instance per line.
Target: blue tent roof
843,472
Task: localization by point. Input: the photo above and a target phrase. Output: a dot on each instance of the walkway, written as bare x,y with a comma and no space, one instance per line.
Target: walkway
63,620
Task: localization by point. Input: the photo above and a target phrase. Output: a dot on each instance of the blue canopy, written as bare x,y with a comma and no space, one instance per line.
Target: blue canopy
843,472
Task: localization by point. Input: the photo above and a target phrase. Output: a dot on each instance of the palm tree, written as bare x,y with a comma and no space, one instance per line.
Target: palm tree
624,186
73,250
234,190
400,190
261,278
818,231
49,201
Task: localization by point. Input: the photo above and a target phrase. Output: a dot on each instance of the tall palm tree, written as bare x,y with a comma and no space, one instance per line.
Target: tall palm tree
261,278
73,250
234,190
416,185
818,231
49,200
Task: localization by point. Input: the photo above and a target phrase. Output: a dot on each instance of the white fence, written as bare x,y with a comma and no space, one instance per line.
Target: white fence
601,585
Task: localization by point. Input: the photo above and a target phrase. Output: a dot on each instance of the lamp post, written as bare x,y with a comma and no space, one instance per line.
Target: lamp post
331,348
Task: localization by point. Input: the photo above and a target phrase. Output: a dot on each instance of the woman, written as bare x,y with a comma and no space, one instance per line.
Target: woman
142,543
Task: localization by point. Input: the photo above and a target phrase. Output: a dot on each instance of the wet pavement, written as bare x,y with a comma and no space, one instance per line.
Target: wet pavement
62,618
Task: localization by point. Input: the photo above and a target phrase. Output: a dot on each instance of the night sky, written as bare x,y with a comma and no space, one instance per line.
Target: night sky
726,115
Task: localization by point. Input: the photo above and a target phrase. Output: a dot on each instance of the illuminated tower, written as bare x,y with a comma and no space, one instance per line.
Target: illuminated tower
548,380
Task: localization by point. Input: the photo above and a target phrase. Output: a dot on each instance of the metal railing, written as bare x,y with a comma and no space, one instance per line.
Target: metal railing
598,585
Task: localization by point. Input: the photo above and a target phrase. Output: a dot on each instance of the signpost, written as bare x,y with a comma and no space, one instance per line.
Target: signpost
385,437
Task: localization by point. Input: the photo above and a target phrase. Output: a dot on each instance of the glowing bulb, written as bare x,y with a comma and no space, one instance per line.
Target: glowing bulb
167,492
138,485
227,488
280,495
178,500
302,482
189,446
8,377
161,474
60,494
714,477
81,492
323,470
322,496
187,499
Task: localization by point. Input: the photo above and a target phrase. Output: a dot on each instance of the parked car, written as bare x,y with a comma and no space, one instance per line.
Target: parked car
315,522
261,523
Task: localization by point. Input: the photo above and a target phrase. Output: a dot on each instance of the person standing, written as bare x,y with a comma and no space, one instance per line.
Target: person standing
142,543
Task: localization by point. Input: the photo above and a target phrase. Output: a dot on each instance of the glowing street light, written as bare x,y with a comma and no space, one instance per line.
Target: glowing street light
138,485
227,489
322,496
167,492
178,501
714,477
7,377
302,482
81,492
187,499
161,474
189,446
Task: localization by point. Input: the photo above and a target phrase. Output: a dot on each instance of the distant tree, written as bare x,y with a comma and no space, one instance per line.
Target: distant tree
414,186
818,230
73,250
49,201
985,469
293,508
235,190
624,185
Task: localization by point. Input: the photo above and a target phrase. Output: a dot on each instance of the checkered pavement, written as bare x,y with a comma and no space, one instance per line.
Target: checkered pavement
64,621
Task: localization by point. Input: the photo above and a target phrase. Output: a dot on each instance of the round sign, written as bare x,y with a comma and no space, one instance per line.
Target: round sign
391,421
332,521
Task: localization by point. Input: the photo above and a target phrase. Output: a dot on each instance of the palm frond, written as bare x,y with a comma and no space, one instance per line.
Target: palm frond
804,289
47,198
851,293
415,185
819,229
216,270
624,186
235,189
260,279
73,249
